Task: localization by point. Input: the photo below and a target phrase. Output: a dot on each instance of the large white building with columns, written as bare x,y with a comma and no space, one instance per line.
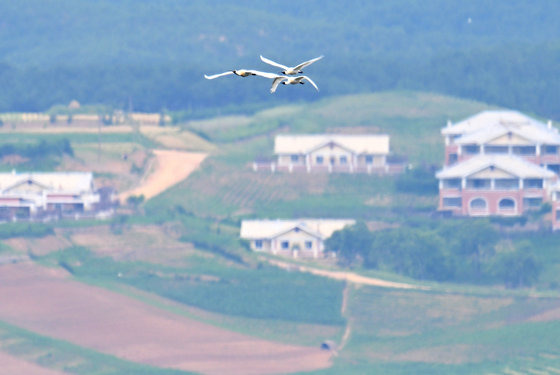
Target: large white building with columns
360,153
500,163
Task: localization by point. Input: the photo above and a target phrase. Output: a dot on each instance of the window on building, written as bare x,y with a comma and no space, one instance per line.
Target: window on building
554,168
258,244
294,158
549,149
452,183
506,204
343,160
524,150
332,160
471,149
452,158
285,245
369,159
533,183
452,202
557,215
532,203
506,184
495,149
308,245
479,204
479,184
319,159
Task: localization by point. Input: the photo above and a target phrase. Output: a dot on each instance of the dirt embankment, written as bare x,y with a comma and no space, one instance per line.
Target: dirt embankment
168,168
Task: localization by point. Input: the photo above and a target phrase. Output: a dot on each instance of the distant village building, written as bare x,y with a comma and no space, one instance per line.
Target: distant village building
494,185
74,104
363,153
295,238
499,163
503,133
56,194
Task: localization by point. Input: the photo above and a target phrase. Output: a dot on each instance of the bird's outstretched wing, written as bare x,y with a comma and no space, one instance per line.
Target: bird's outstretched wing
219,75
268,61
265,74
275,83
306,63
310,81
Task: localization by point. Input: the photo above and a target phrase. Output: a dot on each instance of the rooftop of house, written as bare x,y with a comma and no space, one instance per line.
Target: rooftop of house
529,132
53,181
510,164
305,143
488,119
263,229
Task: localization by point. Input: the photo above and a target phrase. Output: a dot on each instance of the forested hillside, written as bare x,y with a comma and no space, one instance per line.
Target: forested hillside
152,55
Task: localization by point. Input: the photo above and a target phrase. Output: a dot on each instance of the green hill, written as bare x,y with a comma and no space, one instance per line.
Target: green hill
453,328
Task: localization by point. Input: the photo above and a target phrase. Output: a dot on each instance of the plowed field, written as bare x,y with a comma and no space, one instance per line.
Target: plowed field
50,303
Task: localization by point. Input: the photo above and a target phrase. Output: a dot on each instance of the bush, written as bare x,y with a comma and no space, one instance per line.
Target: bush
419,181
29,230
517,268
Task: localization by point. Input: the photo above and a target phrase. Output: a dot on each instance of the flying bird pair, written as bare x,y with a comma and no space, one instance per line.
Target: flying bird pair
277,79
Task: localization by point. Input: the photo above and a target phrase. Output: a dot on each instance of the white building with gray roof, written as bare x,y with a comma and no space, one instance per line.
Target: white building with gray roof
29,194
297,237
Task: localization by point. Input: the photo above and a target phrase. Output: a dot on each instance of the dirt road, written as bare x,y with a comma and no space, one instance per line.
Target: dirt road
346,276
169,168
48,302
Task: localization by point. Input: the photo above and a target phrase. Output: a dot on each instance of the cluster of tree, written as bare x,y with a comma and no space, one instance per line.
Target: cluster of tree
419,181
458,251
40,150
123,52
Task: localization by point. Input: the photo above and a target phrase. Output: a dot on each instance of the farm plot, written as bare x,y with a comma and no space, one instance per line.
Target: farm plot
147,243
16,366
49,303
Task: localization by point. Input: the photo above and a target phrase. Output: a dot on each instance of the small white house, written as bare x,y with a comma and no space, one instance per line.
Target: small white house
300,237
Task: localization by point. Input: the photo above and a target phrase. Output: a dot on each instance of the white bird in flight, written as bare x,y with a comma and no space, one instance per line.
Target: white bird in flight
277,79
291,70
237,72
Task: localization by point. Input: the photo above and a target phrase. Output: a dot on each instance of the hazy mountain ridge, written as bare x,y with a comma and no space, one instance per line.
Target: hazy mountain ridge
155,54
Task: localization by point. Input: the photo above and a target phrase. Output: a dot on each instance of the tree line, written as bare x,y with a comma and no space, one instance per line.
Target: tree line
520,77
464,251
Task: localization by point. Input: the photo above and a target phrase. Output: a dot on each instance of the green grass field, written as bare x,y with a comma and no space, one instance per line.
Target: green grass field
404,332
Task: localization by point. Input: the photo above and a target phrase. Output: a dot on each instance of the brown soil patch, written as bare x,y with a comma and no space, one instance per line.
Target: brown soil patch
147,243
56,306
15,366
547,316
112,164
61,129
170,168
38,246
14,159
